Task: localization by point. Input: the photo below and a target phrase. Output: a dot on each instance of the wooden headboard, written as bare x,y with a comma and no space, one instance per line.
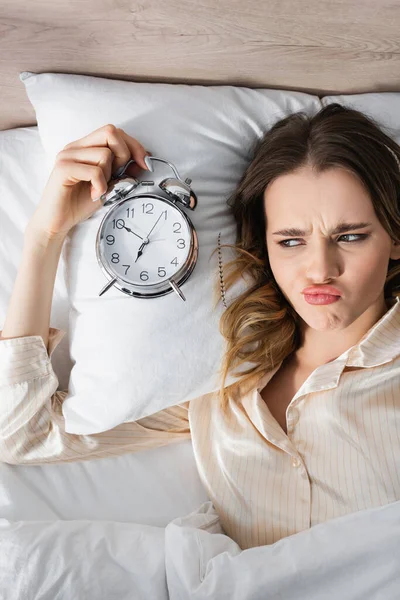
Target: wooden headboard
316,46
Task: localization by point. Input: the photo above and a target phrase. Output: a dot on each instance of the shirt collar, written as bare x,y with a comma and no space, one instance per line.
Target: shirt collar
380,345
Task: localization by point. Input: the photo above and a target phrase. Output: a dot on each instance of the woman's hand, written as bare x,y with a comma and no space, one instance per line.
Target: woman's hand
81,174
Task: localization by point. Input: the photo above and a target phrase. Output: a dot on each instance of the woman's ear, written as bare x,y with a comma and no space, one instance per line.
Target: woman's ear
395,252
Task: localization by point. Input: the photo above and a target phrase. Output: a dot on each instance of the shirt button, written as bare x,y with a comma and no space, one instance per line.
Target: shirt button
295,462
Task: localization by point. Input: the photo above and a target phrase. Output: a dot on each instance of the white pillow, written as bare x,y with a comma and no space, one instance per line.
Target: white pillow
150,487
383,107
133,357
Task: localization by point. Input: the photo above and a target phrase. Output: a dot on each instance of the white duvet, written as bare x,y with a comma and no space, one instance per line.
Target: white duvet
349,558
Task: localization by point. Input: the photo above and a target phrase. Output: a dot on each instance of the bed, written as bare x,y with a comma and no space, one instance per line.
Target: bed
141,525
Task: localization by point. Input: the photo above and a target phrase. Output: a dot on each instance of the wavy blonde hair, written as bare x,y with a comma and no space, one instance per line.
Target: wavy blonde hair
260,326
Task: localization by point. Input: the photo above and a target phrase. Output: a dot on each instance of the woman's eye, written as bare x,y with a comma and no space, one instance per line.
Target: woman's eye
284,242
359,236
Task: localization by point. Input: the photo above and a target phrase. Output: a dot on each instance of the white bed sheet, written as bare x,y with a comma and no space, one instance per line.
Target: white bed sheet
97,527
150,487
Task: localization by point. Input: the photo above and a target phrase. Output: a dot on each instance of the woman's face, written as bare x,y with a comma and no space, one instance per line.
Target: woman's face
354,261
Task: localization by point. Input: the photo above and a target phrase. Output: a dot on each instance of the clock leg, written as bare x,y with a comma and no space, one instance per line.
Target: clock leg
107,287
176,289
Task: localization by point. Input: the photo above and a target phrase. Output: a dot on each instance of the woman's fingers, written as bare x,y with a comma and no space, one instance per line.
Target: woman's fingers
91,161
123,146
72,172
136,148
98,156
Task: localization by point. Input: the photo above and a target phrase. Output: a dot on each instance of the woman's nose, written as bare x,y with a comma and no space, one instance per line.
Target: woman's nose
322,262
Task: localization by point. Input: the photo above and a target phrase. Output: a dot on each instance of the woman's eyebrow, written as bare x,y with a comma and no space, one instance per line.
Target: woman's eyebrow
341,228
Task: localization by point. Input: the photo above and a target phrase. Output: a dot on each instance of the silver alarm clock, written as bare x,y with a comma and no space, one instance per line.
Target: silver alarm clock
146,245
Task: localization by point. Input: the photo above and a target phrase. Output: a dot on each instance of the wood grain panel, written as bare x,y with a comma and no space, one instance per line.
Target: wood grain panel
313,46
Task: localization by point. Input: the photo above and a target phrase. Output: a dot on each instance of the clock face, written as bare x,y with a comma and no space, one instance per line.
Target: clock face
145,241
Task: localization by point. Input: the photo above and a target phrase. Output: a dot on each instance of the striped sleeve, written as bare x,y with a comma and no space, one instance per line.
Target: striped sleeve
32,426
26,358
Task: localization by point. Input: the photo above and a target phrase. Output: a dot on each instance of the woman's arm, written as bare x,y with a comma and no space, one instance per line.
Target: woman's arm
30,305
81,172
32,427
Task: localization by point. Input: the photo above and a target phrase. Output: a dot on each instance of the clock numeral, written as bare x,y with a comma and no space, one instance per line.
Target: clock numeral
132,209
110,239
144,275
181,243
119,223
162,272
149,208
174,261
116,256
127,267
179,227
165,213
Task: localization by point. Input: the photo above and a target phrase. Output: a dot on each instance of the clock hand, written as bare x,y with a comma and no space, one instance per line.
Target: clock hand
161,214
140,251
131,231
146,239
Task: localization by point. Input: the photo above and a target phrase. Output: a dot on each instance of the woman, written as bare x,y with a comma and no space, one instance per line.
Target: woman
312,432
